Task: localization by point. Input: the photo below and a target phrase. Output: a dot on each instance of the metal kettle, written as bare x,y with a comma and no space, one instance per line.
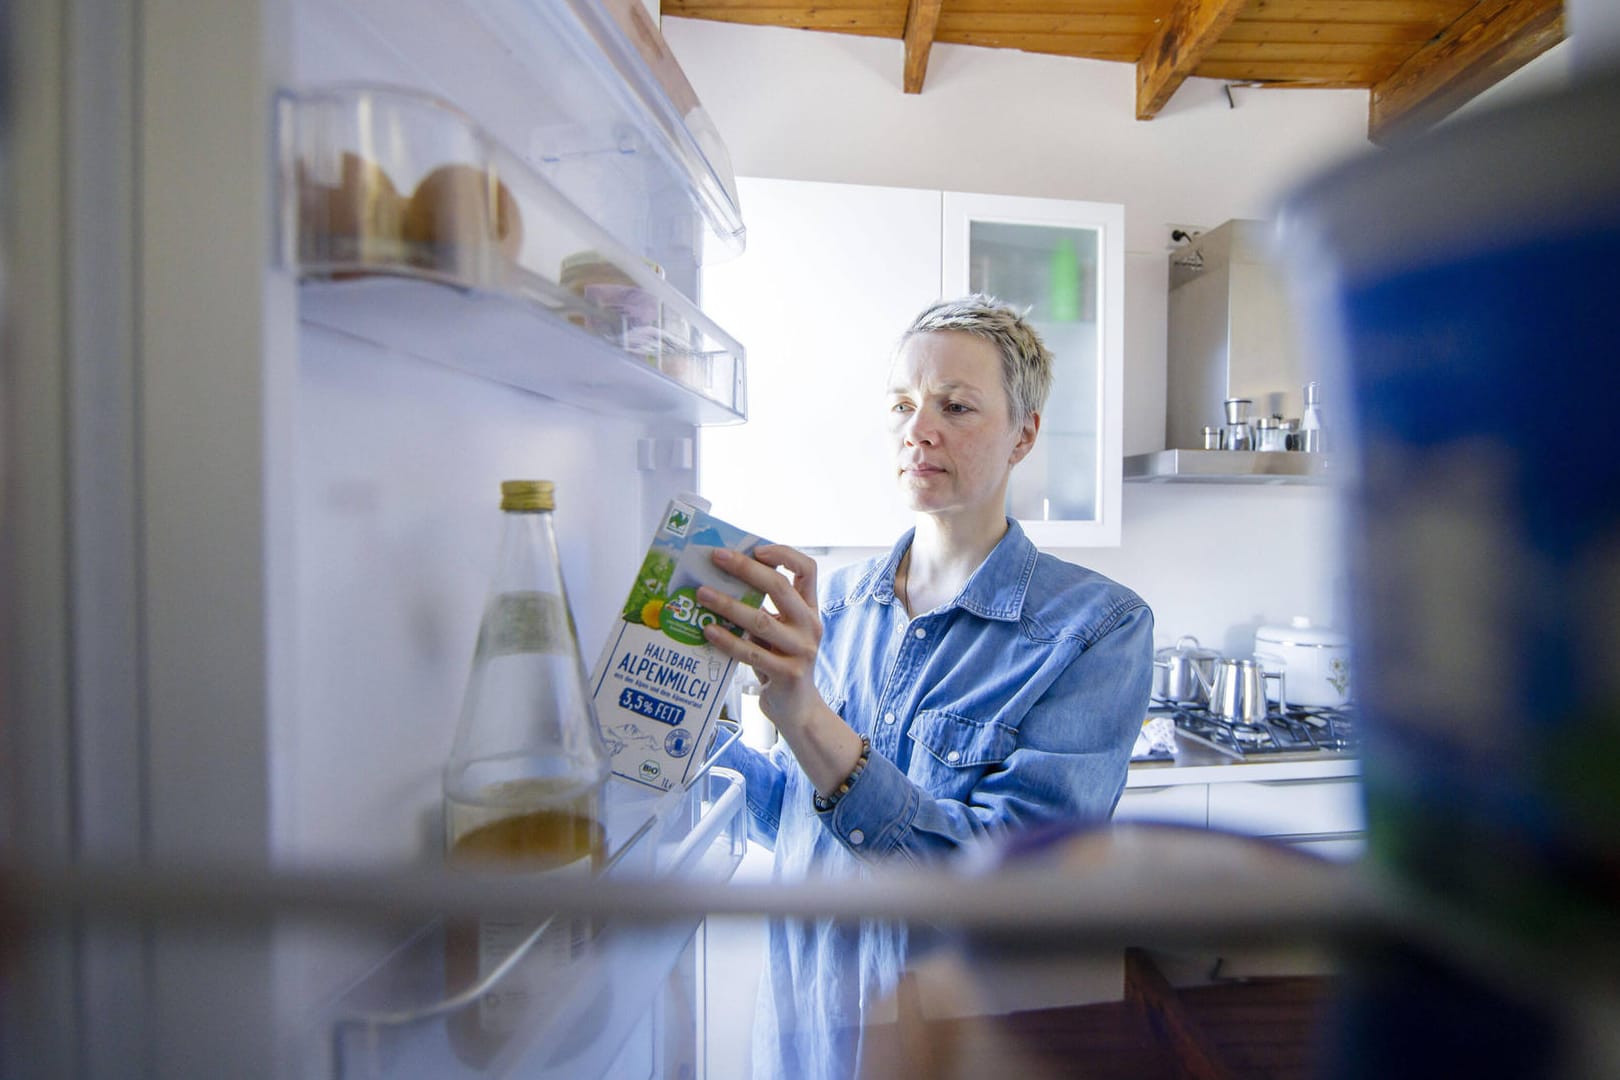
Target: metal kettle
1182,672
1238,690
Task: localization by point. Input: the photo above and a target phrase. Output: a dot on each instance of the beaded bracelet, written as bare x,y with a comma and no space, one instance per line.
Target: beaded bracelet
824,805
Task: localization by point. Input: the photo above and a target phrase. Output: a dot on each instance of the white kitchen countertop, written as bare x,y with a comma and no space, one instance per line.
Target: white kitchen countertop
1213,768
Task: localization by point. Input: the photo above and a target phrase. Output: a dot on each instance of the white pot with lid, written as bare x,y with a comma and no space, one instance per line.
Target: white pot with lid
1316,660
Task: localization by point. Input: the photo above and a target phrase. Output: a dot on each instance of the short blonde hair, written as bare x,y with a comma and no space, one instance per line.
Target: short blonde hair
1026,363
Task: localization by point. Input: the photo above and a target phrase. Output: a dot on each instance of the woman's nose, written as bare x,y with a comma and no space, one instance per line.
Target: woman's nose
919,430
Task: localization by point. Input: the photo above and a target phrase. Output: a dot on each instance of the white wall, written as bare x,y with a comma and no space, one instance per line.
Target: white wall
1595,26
1547,73
813,106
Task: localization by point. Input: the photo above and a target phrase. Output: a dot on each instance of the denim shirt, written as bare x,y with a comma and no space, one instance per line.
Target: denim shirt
1015,703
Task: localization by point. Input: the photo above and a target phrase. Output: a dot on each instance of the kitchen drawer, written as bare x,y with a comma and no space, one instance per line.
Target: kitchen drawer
1291,808
1180,804
1337,848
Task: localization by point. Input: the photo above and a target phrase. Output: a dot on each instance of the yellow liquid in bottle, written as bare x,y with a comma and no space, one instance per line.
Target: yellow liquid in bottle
533,841
490,835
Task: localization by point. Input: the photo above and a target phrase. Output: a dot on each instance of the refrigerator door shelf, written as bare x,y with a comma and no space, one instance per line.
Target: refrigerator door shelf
586,92
392,186
511,340
384,1027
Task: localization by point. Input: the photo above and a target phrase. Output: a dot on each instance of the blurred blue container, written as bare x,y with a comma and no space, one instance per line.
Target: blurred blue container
1468,287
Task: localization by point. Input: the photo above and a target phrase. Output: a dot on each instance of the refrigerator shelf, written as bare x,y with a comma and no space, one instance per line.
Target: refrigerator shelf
413,229
407,1018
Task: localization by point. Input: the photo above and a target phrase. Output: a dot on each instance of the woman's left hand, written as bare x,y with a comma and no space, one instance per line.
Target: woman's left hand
781,647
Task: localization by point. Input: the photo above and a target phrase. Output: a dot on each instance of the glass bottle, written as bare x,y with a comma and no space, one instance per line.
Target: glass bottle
1310,424
523,784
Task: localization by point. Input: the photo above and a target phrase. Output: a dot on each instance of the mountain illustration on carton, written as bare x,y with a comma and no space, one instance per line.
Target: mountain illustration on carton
709,537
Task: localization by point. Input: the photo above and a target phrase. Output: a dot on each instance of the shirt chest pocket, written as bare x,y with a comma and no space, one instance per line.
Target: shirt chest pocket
953,751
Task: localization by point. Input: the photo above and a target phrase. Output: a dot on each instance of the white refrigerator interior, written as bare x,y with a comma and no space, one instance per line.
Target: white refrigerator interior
291,427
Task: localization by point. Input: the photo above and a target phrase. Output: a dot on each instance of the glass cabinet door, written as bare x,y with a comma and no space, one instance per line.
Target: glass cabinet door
1064,262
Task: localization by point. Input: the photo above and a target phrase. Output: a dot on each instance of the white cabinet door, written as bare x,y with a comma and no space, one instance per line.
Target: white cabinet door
1322,809
1065,262
1178,804
832,275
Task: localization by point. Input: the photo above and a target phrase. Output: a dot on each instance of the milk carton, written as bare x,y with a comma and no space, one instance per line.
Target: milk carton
658,684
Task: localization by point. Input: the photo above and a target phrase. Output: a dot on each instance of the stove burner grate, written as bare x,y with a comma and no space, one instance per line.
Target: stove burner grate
1296,730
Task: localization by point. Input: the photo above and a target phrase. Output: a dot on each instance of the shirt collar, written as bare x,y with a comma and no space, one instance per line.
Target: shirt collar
994,591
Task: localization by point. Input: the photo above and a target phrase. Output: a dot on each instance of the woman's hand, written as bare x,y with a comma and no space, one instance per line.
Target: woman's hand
781,646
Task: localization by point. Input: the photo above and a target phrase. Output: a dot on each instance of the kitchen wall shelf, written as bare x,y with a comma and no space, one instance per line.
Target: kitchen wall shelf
407,1017
483,249
1231,467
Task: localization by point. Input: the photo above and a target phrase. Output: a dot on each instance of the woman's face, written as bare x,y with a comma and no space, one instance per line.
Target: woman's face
954,440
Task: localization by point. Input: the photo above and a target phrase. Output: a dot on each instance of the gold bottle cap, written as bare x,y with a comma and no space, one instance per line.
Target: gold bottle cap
528,495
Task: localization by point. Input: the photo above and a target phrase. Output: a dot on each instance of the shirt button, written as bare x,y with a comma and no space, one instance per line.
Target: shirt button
888,718
954,756
857,837
919,633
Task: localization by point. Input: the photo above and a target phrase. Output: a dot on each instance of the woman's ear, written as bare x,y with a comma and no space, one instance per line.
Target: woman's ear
1026,439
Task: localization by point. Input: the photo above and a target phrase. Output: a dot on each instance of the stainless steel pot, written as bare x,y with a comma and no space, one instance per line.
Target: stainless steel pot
1238,691
1182,672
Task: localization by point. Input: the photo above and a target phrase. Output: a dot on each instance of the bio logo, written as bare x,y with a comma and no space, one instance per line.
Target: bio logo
683,618
650,770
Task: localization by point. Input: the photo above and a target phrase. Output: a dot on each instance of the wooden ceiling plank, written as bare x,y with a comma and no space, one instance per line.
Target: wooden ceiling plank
1177,47
922,20
1134,9
839,21
835,20
1083,46
1288,71
1385,56
686,8
1436,13
1002,22
1408,34
1494,39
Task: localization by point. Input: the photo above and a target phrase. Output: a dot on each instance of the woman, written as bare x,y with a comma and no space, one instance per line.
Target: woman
961,685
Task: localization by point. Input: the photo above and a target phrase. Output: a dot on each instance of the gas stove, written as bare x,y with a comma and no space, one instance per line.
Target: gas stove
1296,730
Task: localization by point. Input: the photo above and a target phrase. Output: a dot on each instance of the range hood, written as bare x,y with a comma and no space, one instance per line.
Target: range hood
1231,334
1230,467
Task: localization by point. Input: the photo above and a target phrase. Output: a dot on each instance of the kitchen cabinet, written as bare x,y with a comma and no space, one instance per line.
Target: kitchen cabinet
1171,803
1313,805
832,275
1064,262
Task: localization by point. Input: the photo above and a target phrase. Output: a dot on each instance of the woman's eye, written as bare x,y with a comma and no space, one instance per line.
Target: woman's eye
899,406
957,407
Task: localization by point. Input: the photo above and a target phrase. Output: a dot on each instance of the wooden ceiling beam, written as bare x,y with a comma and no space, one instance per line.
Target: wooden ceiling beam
1487,43
1177,47
922,20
